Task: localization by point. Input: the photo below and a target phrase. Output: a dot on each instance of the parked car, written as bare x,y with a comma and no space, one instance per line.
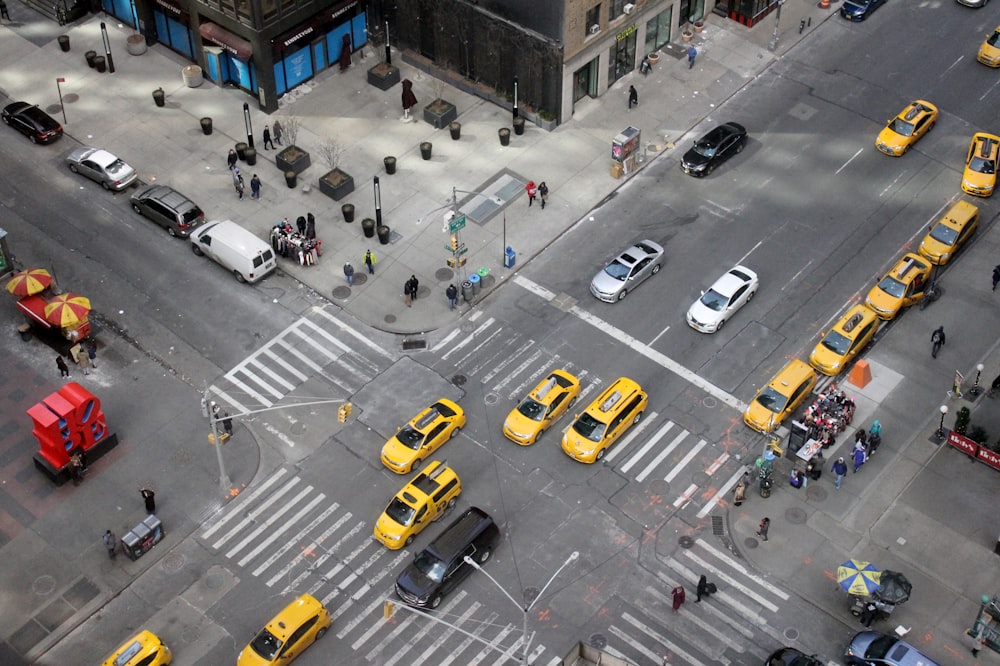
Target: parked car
714,148
776,401
541,408
168,208
723,299
101,167
980,175
32,122
973,3
299,625
901,287
950,233
907,127
859,10
143,649
871,648
789,656
235,248
422,436
627,271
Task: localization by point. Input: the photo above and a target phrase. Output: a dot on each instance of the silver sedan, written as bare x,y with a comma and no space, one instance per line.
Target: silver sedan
627,271
102,167
729,293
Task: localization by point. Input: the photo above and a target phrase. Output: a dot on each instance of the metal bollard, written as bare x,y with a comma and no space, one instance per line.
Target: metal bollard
802,26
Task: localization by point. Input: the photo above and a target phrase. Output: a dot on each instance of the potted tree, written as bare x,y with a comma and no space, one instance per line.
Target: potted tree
292,158
384,74
440,113
335,183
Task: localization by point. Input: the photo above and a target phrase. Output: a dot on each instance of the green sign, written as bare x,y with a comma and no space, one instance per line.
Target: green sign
462,249
456,223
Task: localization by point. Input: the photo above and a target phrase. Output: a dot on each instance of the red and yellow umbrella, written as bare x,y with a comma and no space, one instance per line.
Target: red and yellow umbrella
67,309
29,282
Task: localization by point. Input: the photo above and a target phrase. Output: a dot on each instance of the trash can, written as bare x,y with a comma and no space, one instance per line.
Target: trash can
425,150
467,292
159,97
368,227
206,125
475,281
63,42
509,257
519,126
251,155
241,151
89,57
100,65
383,232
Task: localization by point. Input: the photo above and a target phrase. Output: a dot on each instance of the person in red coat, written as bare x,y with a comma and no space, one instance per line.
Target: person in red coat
409,99
532,190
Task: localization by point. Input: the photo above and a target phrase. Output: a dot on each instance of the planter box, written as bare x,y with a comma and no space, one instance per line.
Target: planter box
383,76
292,158
440,113
336,184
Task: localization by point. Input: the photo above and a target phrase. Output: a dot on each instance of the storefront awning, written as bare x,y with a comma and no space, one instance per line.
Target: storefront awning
236,45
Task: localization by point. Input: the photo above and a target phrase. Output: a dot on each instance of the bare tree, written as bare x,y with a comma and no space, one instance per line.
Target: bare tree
291,125
439,86
331,152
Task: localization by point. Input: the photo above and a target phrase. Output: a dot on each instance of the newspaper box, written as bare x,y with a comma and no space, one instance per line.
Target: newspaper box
141,538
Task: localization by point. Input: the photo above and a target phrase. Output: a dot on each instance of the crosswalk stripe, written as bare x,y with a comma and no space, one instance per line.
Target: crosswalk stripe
306,551
670,645
321,311
485,652
319,330
399,654
425,656
481,342
249,391
289,368
275,377
685,460
480,628
509,653
685,496
359,617
721,613
734,584
725,557
242,500
660,456
249,518
529,381
289,349
469,338
633,433
271,519
638,647
239,407
724,490
445,340
288,524
504,349
713,630
531,360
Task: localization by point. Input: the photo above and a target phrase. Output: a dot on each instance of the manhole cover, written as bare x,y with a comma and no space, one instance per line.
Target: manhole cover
750,543
795,516
172,562
598,641
390,319
685,542
191,633
710,402
659,487
444,274
459,380
816,492
491,398
791,634
342,292
422,292
360,278
43,585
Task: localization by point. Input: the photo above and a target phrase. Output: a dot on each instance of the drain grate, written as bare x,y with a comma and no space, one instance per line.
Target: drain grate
459,380
414,343
718,529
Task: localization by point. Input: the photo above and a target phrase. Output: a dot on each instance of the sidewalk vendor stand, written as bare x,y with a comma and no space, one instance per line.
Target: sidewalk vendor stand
987,624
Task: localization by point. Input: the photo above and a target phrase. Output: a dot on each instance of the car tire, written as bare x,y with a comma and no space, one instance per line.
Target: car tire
415,466
6,120
454,433
72,167
136,208
484,555
741,146
656,269
638,417
600,455
170,230
721,324
435,601
196,250
750,296
622,294
321,633
409,540
239,277
105,185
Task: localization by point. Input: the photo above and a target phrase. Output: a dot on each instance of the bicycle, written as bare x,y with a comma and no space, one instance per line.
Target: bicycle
931,294
937,339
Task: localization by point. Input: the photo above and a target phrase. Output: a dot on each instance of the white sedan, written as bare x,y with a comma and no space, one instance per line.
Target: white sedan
729,293
101,167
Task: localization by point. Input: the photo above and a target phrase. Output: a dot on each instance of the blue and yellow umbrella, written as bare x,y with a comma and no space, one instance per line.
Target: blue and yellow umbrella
860,578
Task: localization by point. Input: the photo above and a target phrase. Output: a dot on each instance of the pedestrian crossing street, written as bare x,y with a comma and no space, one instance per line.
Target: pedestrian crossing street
294,539
319,343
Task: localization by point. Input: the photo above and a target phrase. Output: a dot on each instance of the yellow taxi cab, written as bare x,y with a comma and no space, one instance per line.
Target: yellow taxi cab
143,649
422,436
613,412
946,237
424,500
901,287
299,625
989,51
541,408
780,397
845,340
906,128
980,175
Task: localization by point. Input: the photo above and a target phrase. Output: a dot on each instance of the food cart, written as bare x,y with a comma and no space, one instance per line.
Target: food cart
60,318
987,624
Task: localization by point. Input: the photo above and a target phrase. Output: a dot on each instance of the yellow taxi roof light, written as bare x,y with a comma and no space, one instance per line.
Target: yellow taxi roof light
611,401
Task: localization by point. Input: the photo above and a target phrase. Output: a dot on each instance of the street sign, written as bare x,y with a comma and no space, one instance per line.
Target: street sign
456,223
459,252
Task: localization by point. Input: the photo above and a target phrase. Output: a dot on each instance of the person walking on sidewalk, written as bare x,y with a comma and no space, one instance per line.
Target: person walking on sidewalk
255,187
678,594
227,423
937,340
414,285
762,529
111,543
92,353
996,276
267,138
277,132
407,293
452,293
349,273
633,97
3,11
740,491
370,262
310,226
63,368
149,497
692,53
859,458
231,159
839,469
532,191
543,193
238,183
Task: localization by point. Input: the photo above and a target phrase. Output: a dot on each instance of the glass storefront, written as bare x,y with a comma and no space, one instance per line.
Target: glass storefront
585,81
658,30
621,58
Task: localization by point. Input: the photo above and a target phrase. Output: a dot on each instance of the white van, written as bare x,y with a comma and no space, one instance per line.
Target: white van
248,257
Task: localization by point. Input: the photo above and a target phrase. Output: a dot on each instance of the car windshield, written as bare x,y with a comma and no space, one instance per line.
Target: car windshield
617,270
772,400
116,167
266,645
430,566
400,511
980,165
531,409
836,343
589,427
994,38
409,437
892,286
880,647
944,234
706,146
901,127
713,300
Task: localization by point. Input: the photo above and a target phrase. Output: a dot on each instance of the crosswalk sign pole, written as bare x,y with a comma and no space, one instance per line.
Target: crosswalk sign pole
224,483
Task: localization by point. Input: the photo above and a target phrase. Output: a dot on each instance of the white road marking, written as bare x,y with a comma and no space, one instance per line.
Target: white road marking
469,338
244,498
632,434
844,165
685,460
649,444
321,310
726,487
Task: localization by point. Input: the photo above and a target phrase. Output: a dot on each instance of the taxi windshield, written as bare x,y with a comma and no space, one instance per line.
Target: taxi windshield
589,427
410,437
400,511
944,234
892,286
266,645
901,127
836,343
531,409
980,165
772,400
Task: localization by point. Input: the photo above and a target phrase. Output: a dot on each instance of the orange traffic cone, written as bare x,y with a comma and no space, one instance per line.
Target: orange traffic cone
824,4
861,374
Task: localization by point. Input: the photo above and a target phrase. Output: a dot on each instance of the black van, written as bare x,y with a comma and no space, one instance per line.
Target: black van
437,569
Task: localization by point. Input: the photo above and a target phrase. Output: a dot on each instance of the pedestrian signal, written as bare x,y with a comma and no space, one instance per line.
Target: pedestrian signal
454,243
343,412
387,609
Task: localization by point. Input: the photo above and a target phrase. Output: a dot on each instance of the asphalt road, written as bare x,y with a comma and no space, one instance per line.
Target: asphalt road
810,205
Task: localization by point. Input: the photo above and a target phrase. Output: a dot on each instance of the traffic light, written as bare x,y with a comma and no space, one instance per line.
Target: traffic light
454,243
343,412
387,609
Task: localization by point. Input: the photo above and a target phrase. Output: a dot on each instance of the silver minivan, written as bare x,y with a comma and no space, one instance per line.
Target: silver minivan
248,257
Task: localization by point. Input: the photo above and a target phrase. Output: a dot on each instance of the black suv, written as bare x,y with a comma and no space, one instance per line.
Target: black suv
168,208
436,570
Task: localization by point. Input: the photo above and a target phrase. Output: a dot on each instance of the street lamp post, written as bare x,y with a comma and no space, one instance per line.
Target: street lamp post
777,20
940,430
107,48
526,606
246,121
976,388
515,98
378,204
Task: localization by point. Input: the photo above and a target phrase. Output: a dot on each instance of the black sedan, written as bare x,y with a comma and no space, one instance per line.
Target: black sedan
859,10
32,122
792,657
714,148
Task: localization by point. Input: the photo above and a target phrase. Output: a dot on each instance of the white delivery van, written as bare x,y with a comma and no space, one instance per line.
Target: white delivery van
248,257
